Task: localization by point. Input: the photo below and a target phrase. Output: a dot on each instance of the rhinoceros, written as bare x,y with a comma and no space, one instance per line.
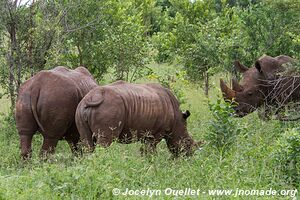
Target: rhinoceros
128,112
255,87
47,103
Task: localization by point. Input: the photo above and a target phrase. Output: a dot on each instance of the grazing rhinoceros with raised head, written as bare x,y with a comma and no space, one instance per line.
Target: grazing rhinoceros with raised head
129,112
47,102
255,86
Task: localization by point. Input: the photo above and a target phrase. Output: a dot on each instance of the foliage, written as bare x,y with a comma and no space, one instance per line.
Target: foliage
209,42
120,37
105,34
223,130
173,82
287,155
271,28
164,43
28,33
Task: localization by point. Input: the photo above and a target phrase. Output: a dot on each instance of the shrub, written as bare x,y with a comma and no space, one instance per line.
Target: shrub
223,129
164,44
287,155
172,82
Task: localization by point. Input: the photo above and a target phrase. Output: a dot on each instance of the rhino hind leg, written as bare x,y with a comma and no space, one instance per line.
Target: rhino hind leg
74,146
48,146
105,132
73,139
104,137
25,142
26,126
107,129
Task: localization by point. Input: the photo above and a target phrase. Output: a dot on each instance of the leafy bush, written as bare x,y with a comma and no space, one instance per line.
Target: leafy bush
223,129
173,82
164,44
287,155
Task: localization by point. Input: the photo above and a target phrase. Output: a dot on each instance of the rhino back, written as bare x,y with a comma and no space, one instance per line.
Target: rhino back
80,77
146,106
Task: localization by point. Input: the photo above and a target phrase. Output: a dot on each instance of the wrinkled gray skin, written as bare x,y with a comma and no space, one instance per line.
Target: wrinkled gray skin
130,112
47,103
252,90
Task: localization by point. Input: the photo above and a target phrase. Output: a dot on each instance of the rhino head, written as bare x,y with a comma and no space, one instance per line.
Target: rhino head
250,93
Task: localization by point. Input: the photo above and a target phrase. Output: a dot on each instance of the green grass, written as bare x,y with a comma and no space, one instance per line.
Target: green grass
248,165
4,104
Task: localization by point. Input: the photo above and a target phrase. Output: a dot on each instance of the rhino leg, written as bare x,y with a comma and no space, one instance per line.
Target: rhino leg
172,147
25,142
106,130
49,145
74,146
26,125
180,146
104,137
73,138
148,147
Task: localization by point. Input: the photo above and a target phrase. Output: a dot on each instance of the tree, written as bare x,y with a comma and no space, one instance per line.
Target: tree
12,27
196,41
27,34
272,28
103,35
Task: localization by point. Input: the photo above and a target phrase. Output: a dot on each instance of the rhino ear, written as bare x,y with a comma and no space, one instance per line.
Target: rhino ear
239,66
186,114
258,66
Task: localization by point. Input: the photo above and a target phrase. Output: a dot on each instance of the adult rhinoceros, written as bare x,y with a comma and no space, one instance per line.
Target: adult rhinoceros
129,112
47,102
256,86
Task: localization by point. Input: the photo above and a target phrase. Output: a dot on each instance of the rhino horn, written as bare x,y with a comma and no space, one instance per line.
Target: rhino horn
228,93
239,66
236,86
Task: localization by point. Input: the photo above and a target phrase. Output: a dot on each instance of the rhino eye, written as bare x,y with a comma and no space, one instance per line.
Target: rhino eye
250,93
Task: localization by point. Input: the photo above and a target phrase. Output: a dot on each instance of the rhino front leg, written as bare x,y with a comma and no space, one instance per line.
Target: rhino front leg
148,147
25,143
173,148
180,146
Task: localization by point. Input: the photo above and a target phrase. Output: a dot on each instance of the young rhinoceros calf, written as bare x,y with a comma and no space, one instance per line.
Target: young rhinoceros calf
130,112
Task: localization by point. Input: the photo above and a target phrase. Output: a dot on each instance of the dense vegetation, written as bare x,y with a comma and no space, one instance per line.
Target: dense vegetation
186,46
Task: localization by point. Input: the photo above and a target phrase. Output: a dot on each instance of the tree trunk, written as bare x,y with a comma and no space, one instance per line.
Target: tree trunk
12,32
11,83
206,83
30,39
79,54
13,56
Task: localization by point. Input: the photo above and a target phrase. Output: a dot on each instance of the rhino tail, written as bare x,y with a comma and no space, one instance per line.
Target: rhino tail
35,93
81,119
97,99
